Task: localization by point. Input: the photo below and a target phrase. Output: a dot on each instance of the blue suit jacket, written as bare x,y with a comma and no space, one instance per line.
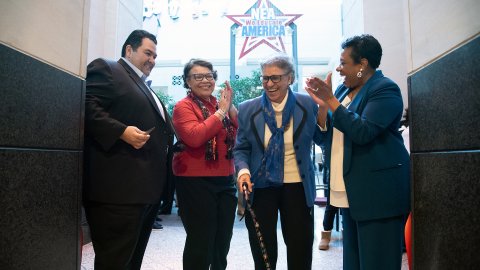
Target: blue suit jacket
249,146
376,165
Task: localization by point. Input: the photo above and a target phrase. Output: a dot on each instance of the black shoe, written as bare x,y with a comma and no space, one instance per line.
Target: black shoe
158,219
157,226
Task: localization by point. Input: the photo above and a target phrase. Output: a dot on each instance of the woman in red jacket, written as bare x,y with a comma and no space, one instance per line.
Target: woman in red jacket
206,128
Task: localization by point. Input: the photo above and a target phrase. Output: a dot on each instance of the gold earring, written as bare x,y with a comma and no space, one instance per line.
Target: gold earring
359,74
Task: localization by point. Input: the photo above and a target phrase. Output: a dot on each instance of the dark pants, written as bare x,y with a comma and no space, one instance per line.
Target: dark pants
329,216
119,233
330,210
296,220
372,244
207,209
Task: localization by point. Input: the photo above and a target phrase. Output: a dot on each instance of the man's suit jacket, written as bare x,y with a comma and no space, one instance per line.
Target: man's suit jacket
249,146
115,172
376,165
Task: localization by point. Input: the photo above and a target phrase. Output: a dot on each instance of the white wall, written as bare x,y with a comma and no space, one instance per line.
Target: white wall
111,21
352,18
413,33
437,27
385,20
52,31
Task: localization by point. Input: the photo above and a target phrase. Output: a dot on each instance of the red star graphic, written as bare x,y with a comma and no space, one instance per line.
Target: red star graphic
277,18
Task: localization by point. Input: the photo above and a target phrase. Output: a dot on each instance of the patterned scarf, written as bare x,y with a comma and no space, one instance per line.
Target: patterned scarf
211,152
273,159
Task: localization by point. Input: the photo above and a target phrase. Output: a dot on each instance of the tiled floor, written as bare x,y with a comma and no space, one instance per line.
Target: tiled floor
164,250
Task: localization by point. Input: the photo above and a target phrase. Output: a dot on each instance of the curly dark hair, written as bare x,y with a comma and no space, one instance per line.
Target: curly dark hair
196,62
364,46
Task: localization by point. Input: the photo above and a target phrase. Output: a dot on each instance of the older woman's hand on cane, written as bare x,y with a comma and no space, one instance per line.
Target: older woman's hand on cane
243,180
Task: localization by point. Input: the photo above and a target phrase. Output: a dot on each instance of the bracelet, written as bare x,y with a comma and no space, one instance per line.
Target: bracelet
221,112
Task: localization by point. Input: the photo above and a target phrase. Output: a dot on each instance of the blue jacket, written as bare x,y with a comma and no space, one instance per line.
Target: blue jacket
376,165
249,146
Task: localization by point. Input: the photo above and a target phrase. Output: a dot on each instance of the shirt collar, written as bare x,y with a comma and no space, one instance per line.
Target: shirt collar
138,71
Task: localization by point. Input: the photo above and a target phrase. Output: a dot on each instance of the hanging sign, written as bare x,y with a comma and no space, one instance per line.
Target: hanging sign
265,24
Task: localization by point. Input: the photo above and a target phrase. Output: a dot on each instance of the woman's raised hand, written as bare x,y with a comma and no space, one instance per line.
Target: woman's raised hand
319,90
226,96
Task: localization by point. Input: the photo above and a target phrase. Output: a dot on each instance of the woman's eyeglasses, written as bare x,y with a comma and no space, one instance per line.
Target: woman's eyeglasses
273,78
199,77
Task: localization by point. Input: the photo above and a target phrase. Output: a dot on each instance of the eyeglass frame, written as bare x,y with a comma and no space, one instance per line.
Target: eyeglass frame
204,76
269,78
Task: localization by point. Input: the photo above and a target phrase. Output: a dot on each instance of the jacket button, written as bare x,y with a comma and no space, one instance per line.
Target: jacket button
296,147
299,162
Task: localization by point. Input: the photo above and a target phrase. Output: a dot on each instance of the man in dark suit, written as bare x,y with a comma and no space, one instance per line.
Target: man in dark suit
125,160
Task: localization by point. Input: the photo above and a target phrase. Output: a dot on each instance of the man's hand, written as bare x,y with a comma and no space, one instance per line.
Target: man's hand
135,137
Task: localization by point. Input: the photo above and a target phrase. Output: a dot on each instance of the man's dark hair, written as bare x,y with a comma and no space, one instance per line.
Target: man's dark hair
196,62
135,40
364,46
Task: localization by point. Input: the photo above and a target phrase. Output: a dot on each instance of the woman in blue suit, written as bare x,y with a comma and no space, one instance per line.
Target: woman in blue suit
272,157
369,165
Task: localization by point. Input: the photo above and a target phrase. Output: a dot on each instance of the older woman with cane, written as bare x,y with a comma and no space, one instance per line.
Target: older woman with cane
272,157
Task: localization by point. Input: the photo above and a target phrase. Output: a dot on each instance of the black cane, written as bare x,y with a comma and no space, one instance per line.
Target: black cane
257,228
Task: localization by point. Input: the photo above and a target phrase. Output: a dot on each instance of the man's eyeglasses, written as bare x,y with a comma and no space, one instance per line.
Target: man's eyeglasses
273,78
199,77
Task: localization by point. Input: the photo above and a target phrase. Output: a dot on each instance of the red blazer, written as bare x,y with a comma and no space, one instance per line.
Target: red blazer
194,132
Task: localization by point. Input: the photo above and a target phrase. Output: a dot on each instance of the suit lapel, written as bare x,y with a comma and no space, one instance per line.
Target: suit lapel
168,119
258,126
258,123
299,118
341,93
356,107
143,87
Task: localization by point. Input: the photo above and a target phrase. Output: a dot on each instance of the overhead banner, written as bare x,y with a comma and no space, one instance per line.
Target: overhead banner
263,24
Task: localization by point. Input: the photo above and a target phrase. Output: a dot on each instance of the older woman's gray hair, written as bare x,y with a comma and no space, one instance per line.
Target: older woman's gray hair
282,61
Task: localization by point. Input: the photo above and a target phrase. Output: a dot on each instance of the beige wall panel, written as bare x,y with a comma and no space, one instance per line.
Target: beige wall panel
385,21
51,31
439,26
130,17
111,21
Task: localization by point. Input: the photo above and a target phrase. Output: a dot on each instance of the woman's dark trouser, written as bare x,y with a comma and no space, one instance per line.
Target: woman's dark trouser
207,209
296,222
330,210
120,233
372,244
329,214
